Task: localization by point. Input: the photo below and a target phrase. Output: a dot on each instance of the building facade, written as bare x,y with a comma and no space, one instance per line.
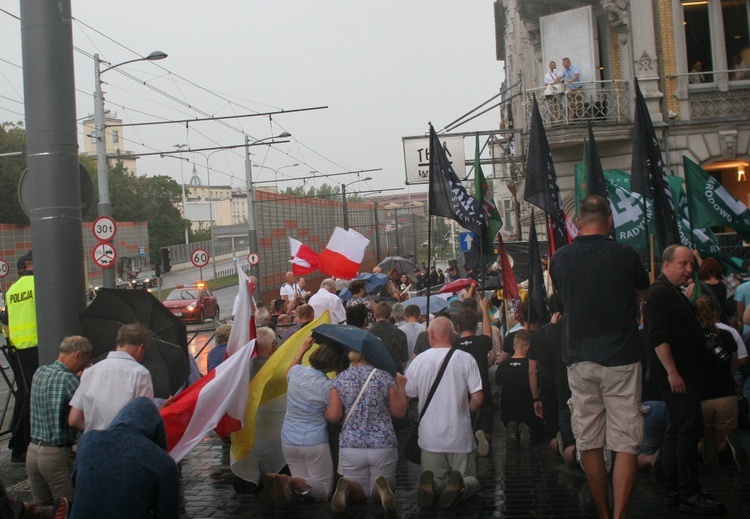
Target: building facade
691,59
114,139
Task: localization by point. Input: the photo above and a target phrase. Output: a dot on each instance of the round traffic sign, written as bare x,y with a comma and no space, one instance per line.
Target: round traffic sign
104,228
199,257
104,255
253,258
4,269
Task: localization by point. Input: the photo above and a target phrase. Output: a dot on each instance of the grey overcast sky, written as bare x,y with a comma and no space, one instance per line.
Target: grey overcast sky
384,70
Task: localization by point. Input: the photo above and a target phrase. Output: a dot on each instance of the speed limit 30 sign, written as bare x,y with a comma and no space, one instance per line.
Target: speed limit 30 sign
199,257
104,228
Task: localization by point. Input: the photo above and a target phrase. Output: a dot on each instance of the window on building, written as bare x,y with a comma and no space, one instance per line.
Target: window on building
708,22
115,136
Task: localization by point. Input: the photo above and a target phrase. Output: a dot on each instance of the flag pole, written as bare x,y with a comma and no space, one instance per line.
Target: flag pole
429,261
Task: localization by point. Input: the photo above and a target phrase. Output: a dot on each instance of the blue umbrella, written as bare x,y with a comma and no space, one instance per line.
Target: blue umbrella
347,336
373,282
436,303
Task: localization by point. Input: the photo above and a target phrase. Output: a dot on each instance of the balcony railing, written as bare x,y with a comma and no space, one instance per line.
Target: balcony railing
600,101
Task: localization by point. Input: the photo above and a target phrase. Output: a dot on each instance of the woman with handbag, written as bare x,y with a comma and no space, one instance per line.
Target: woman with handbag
366,397
304,434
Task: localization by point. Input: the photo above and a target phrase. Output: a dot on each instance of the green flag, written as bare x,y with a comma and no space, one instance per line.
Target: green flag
484,194
711,204
628,216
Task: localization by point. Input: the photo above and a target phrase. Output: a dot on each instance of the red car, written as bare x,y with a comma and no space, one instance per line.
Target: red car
192,304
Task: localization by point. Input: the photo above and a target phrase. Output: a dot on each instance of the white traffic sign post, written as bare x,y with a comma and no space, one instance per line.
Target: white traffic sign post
104,255
199,258
104,228
4,270
253,258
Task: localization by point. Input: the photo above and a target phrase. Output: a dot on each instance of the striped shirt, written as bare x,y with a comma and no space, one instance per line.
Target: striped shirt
51,390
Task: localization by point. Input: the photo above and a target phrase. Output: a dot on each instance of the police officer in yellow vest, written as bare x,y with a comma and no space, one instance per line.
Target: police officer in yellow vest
22,332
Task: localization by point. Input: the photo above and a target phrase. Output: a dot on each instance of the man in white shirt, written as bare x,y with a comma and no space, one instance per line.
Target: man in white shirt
326,299
113,382
445,432
288,290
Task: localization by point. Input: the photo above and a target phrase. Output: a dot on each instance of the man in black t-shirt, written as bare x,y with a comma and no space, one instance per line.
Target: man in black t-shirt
676,356
598,280
480,347
516,405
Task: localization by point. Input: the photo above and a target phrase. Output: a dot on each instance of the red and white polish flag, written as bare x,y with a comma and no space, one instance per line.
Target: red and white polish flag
344,253
304,259
217,401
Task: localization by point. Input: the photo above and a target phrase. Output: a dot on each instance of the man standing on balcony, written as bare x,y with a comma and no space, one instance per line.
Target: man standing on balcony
572,77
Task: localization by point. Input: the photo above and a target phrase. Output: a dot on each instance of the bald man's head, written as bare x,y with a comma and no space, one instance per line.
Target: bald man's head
441,332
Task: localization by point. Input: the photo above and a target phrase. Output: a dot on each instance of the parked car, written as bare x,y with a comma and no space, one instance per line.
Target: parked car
145,279
192,304
119,284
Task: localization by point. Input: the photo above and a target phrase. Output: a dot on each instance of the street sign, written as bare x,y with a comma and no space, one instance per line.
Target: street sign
4,269
199,258
142,251
466,239
104,228
253,259
417,156
104,255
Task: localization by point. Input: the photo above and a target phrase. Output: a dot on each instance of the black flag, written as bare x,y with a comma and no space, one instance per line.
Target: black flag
448,196
648,176
595,184
541,181
538,307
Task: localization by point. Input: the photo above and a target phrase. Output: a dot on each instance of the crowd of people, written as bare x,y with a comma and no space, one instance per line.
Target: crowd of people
629,375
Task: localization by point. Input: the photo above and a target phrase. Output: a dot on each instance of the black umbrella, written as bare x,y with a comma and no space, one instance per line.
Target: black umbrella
166,359
347,336
403,265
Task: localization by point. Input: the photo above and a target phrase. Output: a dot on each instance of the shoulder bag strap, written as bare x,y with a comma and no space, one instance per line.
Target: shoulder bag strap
435,384
361,391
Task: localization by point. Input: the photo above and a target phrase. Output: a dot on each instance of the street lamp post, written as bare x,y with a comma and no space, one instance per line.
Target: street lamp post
210,206
343,199
275,172
252,229
105,206
182,183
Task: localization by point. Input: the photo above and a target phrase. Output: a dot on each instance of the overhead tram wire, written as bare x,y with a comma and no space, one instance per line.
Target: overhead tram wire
357,172
175,99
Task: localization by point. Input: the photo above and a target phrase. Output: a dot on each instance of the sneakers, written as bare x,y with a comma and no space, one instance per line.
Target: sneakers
387,497
283,492
701,504
739,455
709,451
453,490
510,435
524,435
340,497
61,508
483,446
426,489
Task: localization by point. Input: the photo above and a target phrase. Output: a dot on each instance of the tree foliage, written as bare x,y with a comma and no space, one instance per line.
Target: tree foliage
12,139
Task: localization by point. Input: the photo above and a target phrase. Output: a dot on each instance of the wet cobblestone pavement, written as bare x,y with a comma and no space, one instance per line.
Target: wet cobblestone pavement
515,483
